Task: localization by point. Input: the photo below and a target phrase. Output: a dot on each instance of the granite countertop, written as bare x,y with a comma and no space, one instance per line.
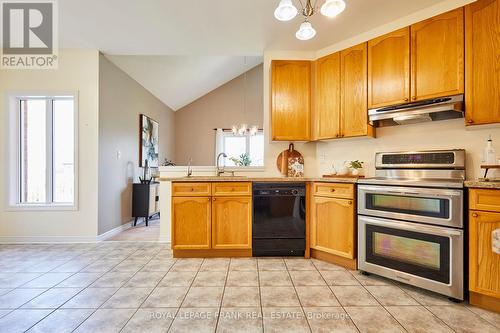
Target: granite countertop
259,179
476,183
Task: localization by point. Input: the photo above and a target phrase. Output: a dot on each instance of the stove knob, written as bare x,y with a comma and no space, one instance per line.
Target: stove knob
295,192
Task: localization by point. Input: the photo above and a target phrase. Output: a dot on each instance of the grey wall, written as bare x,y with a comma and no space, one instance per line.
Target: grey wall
121,100
221,108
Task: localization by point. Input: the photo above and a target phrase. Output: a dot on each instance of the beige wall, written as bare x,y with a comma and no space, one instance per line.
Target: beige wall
77,72
121,100
221,108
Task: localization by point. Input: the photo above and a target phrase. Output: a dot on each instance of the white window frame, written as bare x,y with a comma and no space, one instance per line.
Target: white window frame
13,142
226,133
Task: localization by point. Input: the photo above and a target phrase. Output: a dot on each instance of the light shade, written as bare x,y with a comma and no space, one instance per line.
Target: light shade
285,11
332,8
306,31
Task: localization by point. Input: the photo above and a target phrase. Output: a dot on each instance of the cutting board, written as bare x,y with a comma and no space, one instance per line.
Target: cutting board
290,162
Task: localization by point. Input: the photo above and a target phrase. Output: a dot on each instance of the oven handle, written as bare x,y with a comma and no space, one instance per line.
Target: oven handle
412,227
403,191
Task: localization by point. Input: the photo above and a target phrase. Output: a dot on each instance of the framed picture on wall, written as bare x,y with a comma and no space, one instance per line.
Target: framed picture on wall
148,148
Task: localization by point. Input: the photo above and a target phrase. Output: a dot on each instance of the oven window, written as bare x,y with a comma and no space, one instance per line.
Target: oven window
416,253
432,207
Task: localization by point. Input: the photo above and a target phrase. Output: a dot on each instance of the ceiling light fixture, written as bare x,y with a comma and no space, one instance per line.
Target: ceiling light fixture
287,11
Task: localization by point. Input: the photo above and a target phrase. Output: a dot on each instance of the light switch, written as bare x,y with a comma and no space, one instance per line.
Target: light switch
118,154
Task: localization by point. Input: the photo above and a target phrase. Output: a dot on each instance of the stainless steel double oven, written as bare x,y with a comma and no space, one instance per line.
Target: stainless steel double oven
411,220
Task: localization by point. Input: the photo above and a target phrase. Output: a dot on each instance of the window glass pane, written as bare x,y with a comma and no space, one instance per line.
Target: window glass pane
63,150
33,154
257,149
234,147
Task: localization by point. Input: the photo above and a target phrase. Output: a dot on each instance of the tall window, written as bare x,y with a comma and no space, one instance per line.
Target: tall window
243,150
46,150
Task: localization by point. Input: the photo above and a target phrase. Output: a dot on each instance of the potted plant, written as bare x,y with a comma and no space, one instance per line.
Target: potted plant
356,167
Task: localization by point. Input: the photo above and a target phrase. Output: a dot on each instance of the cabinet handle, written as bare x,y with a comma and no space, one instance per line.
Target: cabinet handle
213,199
350,202
414,98
475,215
332,190
470,121
407,99
192,189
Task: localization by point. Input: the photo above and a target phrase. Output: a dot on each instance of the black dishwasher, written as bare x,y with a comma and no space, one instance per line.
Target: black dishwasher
279,219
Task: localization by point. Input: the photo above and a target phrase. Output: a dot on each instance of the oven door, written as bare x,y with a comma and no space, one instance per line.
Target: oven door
425,256
418,204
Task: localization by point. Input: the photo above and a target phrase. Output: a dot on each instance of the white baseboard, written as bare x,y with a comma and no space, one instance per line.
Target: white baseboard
114,231
64,239
46,239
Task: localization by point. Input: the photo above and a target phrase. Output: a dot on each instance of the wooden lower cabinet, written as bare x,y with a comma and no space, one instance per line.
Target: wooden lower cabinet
484,263
219,225
333,228
191,221
232,223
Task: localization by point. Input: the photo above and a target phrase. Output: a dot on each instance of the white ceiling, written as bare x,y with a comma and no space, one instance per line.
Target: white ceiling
180,80
213,33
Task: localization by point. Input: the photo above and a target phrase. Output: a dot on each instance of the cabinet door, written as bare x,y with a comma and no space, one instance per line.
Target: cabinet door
327,101
354,114
482,64
484,264
232,223
389,69
332,226
437,56
191,222
291,100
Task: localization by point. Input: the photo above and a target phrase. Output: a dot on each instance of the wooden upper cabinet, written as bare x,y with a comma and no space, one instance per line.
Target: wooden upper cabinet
291,100
354,111
232,223
327,98
482,64
484,264
191,223
437,56
389,69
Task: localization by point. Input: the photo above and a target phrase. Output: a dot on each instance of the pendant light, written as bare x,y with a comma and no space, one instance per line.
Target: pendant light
243,129
287,11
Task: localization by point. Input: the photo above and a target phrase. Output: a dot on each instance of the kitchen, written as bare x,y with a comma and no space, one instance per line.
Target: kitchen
253,166
423,162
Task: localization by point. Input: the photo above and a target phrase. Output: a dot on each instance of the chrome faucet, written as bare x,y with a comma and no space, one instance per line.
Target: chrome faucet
220,170
189,169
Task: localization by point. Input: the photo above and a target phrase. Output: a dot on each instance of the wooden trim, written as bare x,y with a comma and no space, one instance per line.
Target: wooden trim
333,259
212,253
307,253
484,301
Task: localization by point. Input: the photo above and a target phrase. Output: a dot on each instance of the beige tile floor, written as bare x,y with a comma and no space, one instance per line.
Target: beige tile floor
139,287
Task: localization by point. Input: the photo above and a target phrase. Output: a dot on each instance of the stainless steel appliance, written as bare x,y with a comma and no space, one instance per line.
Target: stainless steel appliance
416,112
411,220
279,219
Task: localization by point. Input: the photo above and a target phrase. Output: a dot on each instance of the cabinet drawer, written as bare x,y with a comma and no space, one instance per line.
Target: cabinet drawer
334,190
191,189
231,189
487,200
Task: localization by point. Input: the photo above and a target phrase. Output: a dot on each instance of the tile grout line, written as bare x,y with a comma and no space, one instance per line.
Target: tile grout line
152,290
222,297
297,294
184,298
100,307
260,293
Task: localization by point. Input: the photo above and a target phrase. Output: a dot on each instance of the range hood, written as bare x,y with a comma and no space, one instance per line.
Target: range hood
417,112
